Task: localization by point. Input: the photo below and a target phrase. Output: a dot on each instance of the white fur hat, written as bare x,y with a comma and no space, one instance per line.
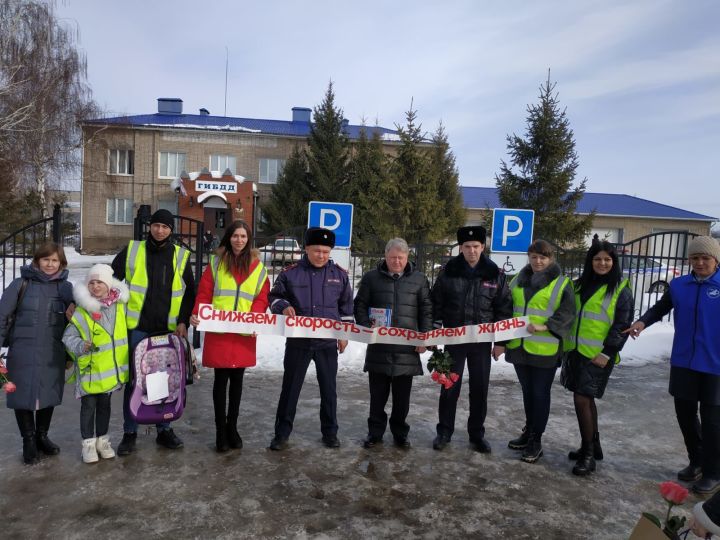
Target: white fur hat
101,272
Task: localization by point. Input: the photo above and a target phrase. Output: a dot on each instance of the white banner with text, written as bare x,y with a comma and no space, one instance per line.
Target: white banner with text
237,322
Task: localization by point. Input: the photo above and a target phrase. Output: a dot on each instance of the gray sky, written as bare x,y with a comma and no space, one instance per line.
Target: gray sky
640,80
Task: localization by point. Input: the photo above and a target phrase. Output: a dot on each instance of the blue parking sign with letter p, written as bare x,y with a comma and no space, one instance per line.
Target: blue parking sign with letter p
334,216
512,230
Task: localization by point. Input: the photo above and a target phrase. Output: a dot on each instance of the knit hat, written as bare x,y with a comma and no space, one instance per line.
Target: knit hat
317,236
101,272
474,233
704,245
163,216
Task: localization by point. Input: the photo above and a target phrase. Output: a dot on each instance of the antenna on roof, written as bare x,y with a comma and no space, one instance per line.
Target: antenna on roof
226,74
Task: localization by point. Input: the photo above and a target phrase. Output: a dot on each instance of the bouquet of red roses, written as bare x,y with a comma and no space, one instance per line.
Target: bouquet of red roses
439,366
7,385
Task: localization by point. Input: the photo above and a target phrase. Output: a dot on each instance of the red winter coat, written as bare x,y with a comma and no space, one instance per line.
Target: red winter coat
229,350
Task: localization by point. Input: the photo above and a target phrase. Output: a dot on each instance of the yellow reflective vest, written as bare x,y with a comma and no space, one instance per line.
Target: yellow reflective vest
106,366
539,309
137,278
593,321
227,294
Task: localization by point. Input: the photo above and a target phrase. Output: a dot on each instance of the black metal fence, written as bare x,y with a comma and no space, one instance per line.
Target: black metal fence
17,248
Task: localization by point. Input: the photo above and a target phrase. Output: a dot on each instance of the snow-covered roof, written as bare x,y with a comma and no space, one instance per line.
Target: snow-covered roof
212,193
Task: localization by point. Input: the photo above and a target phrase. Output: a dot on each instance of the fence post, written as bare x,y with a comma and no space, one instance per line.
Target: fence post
57,224
199,252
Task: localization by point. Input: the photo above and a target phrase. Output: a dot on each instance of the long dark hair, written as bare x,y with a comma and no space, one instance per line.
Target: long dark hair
242,262
588,275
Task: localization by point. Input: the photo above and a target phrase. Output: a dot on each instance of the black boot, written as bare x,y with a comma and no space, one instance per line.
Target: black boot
533,451
221,436
574,455
26,424
522,441
42,421
586,464
233,437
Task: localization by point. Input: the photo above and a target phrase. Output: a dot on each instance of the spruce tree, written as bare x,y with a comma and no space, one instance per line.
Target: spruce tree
545,161
288,204
371,193
416,187
327,152
449,209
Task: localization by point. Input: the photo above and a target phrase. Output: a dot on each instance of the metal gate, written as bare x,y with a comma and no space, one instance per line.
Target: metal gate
17,249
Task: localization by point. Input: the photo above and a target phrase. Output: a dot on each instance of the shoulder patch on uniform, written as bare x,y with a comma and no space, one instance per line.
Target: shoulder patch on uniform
340,267
290,267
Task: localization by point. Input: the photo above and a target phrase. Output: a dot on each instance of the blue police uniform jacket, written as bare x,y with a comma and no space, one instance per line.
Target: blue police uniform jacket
696,344
313,292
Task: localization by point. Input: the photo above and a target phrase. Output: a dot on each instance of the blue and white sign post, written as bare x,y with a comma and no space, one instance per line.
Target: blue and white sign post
512,233
337,217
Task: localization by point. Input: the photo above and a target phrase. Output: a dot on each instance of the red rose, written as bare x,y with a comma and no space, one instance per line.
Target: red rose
3,370
673,492
10,387
454,377
443,378
96,316
435,376
447,384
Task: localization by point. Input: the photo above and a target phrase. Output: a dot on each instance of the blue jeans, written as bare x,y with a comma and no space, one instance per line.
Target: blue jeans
129,423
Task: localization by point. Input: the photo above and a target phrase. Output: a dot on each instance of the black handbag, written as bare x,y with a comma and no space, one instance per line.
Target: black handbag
11,317
190,362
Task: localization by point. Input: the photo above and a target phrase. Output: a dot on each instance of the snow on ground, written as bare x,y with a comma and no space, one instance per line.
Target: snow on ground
653,345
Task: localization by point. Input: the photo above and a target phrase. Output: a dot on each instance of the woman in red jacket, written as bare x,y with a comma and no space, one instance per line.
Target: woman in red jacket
234,280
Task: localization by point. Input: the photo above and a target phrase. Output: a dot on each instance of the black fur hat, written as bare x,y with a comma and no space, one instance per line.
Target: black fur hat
317,236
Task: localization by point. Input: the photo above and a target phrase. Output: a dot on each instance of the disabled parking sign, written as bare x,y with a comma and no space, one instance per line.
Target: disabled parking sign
512,230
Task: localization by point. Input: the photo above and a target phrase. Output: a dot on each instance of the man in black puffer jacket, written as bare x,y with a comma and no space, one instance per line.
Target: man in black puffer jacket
399,296
469,290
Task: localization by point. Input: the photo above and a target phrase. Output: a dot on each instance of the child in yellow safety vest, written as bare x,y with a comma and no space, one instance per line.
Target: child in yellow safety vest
97,339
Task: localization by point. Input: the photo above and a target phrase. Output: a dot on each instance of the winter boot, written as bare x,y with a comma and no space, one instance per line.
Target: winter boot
522,441
26,424
533,451
103,447
586,464
233,437
127,444
42,420
574,455
89,450
221,437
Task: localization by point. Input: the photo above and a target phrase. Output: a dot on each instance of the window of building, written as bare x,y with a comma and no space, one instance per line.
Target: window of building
171,164
220,163
270,169
119,211
121,162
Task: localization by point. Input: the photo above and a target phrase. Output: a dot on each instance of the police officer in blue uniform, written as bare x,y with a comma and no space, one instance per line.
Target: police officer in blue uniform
314,287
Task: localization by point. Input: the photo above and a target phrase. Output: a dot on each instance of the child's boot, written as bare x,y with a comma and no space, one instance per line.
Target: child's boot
89,450
103,447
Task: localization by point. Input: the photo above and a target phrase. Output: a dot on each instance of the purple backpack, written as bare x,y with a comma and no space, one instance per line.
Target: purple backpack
154,354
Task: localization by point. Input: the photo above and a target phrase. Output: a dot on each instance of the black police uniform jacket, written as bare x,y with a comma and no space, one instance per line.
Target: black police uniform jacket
463,295
408,296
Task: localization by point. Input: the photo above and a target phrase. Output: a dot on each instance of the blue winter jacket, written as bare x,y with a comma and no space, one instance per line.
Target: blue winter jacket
696,305
313,292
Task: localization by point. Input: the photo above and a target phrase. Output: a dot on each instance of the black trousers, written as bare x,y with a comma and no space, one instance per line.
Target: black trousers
94,415
478,363
380,387
296,363
536,386
224,377
702,436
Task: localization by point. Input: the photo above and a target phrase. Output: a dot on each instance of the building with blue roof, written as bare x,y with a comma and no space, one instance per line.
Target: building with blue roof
136,160
619,218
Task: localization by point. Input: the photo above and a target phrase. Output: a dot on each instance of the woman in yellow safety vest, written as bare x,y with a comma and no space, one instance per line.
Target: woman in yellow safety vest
542,293
235,280
97,339
605,308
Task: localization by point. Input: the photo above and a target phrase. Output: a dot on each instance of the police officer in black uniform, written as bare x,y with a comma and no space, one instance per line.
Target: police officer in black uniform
314,287
469,290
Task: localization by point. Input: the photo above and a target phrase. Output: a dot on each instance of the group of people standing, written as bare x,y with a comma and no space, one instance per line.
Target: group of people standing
149,288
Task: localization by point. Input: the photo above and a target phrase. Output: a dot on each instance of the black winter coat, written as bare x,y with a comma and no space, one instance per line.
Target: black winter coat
463,295
408,297
36,356
160,270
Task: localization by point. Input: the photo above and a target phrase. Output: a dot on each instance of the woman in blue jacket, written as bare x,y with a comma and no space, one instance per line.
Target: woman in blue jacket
695,360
